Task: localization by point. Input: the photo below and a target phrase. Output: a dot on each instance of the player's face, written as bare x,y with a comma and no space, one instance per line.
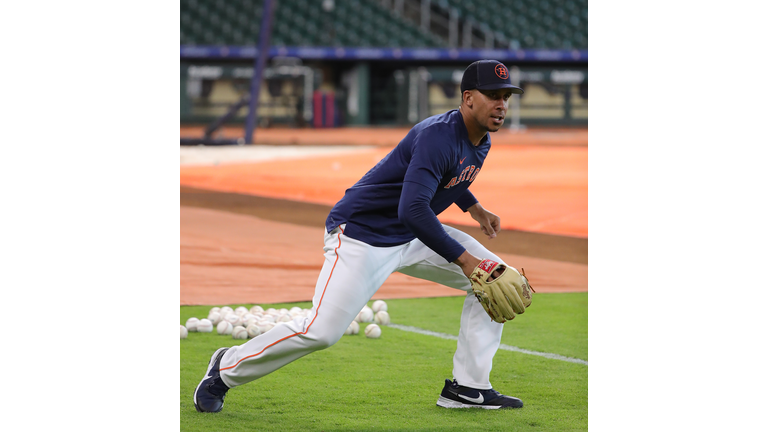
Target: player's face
490,108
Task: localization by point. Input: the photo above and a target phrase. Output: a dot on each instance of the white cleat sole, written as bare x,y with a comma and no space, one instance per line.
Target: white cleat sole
448,403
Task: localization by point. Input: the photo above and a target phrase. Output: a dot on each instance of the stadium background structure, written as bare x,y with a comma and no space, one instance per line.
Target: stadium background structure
384,63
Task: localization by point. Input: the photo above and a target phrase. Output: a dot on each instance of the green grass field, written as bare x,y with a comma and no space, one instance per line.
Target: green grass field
393,383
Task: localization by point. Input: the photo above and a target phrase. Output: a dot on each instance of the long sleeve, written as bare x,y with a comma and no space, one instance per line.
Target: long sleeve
415,213
466,200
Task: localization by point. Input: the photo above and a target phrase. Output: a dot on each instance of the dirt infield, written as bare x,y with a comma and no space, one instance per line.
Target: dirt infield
229,258
248,226
532,188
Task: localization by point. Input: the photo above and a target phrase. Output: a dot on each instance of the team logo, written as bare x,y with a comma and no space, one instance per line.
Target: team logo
467,174
501,71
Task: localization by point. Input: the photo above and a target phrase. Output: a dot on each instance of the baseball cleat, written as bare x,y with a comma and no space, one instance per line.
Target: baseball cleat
209,394
456,396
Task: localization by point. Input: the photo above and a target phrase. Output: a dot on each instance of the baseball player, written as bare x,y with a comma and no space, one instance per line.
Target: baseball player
387,222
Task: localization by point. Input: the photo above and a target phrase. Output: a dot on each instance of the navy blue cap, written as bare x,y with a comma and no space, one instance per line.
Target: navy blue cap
487,75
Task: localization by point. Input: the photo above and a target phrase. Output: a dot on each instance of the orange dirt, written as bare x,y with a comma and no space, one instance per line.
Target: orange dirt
252,232
532,188
229,258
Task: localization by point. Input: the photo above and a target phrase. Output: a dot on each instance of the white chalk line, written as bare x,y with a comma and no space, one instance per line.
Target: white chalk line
501,346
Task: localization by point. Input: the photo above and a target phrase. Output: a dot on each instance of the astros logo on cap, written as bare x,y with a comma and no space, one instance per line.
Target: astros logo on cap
501,71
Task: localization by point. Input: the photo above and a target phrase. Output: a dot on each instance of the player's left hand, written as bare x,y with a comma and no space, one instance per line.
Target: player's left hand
490,224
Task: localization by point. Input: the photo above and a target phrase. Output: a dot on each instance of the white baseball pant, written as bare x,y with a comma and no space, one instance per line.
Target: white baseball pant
352,273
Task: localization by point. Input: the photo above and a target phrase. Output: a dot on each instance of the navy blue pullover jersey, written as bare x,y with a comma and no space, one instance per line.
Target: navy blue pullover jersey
399,198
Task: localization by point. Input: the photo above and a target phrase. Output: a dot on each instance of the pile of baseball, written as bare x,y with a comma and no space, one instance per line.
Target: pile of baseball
244,323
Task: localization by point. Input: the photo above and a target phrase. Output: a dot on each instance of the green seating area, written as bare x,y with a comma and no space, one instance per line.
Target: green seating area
299,23
545,24
553,24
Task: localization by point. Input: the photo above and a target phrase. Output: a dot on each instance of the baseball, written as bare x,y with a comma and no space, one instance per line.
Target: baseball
257,309
253,330
239,332
214,317
225,310
353,329
381,318
183,331
241,310
191,324
234,319
379,305
214,309
271,311
224,328
372,331
365,315
265,326
205,326
285,318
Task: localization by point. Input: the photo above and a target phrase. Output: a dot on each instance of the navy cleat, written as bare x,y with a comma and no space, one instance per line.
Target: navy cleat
209,394
456,396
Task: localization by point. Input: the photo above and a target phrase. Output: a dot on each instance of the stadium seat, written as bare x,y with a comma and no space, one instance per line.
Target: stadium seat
534,23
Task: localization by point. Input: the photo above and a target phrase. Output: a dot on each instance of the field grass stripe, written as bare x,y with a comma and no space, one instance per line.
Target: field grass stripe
501,346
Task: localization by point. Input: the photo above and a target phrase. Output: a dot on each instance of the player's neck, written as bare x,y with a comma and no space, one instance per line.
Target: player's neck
474,132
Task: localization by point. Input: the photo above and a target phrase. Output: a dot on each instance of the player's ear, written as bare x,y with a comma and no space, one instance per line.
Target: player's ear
467,98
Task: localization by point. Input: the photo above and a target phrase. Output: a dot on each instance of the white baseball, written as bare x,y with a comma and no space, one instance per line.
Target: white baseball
205,326
257,309
286,317
239,332
379,305
241,310
183,331
225,310
215,317
265,326
271,311
372,331
224,328
365,315
353,329
191,324
381,318
253,330
214,309
269,318
234,319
